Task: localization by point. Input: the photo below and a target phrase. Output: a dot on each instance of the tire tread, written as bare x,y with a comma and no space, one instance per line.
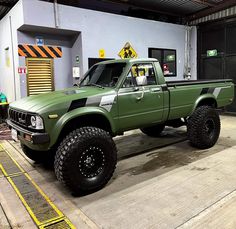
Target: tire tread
67,148
195,126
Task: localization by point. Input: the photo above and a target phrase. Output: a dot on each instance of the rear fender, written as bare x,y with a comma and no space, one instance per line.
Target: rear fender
206,99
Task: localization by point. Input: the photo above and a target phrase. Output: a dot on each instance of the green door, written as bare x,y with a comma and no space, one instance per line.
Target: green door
140,105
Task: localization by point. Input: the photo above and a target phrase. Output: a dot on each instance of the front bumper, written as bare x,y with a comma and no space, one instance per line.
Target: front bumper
32,137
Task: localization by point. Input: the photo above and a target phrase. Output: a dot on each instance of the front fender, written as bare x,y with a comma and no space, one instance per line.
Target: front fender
201,99
64,119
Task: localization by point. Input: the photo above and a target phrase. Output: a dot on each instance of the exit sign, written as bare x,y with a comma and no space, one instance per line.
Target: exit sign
22,70
212,52
170,58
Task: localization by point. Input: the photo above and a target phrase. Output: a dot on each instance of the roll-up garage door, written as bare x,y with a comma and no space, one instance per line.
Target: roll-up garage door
219,36
39,75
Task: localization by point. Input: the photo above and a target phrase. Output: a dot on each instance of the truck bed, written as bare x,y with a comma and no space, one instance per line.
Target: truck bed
184,94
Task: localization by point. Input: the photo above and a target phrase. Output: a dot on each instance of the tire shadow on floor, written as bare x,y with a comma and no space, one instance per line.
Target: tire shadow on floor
141,158
136,169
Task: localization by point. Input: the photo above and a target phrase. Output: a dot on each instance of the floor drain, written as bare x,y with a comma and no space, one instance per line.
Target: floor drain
63,224
41,209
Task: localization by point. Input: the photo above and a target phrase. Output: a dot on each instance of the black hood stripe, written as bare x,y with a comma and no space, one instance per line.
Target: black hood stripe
77,104
85,102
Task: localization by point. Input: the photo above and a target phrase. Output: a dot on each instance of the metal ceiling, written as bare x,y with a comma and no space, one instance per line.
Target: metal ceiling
5,6
191,9
180,7
178,11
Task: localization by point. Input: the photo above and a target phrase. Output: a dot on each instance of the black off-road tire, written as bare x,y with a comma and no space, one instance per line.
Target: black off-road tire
153,131
46,157
203,127
85,160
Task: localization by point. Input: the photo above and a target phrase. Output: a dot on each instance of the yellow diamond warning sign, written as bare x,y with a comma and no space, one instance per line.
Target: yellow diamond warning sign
127,52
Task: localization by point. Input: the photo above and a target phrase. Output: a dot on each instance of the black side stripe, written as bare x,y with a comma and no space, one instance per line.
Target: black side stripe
207,90
204,91
211,90
77,104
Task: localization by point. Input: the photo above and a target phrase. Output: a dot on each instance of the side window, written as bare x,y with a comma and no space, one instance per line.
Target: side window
142,72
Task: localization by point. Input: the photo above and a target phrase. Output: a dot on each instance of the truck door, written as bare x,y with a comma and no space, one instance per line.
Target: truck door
140,98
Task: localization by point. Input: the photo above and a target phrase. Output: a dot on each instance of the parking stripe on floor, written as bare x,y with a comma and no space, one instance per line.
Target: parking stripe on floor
41,209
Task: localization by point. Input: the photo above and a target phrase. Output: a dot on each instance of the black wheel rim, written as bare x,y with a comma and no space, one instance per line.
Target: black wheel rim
210,128
92,162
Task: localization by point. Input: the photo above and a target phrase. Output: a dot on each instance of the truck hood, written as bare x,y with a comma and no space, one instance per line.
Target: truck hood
39,103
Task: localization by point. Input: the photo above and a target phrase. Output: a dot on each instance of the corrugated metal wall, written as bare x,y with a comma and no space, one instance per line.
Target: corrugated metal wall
219,15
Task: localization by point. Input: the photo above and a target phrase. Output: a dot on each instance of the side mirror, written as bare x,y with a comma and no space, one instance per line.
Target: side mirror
141,80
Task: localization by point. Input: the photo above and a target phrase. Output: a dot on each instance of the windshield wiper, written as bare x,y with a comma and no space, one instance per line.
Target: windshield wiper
95,85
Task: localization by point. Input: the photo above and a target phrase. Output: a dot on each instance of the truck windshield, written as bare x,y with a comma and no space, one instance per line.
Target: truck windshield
103,75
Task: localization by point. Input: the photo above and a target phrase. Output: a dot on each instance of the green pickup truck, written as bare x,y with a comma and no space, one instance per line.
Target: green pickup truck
75,127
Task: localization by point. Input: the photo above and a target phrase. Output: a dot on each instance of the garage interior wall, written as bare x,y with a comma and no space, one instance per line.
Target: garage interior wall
110,32
62,66
97,30
9,77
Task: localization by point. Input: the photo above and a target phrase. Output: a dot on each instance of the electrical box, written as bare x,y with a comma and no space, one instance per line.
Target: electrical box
76,72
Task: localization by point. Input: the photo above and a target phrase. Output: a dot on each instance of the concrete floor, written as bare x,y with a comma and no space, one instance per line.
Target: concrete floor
158,183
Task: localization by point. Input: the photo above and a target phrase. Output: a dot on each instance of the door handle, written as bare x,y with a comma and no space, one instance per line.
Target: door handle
156,89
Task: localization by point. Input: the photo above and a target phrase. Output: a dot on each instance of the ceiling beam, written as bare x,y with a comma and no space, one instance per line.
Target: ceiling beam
205,2
221,6
7,4
137,6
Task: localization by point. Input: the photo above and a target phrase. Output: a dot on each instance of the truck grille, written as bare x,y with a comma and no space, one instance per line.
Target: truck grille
19,117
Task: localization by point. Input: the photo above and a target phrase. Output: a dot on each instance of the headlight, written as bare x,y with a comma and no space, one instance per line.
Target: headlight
36,122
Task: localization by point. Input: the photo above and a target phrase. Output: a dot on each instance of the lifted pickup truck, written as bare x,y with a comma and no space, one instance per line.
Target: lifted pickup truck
76,126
